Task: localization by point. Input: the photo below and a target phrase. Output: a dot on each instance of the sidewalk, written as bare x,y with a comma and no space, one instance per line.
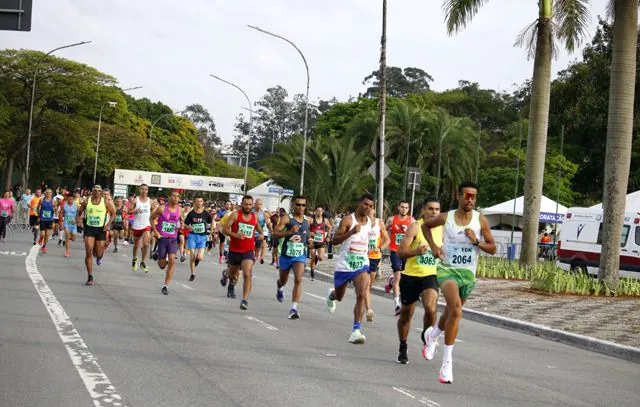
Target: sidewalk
612,319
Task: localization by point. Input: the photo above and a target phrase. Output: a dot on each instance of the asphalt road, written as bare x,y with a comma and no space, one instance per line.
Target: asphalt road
121,342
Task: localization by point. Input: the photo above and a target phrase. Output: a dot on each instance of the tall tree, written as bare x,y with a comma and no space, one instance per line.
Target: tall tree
619,135
400,83
567,20
200,117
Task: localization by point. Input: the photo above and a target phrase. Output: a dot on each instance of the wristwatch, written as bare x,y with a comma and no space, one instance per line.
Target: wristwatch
476,243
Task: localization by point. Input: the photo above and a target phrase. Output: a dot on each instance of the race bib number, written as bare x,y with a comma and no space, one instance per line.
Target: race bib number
461,255
144,210
168,227
355,261
68,219
295,249
318,237
94,221
118,219
373,243
198,227
399,237
4,214
46,214
427,259
245,230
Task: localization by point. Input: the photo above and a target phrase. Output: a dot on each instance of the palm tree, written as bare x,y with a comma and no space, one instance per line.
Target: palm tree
619,135
566,20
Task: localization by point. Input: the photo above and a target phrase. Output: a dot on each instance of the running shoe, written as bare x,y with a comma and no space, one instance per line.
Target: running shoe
67,254
183,258
430,347
98,261
403,359
244,305
165,290
446,373
280,296
193,277
370,315
261,260
331,304
231,291
224,279
397,310
357,338
143,267
134,264
89,280
294,314
389,286
44,249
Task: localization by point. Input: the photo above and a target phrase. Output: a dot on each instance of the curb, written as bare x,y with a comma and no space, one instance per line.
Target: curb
608,348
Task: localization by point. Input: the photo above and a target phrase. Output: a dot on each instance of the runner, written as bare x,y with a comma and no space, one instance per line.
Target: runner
294,234
240,228
169,218
227,209
225,251
464,229
59,200
128,224
263,220
353,263
24,206
397,226
34,215
275,242
99,215
418,281
378,240
6,213
117,226
200,225
141,208
183,234
320,232
46,209
68,216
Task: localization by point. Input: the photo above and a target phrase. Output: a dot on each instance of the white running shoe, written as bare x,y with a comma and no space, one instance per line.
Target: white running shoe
430,349
446,373
370,315
331,304
357,338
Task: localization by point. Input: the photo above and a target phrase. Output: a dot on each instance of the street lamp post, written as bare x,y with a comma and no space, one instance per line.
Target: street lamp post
95,165
33,96
246,166
306,103
440,164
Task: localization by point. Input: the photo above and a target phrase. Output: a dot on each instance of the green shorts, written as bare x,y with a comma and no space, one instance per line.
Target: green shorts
464,279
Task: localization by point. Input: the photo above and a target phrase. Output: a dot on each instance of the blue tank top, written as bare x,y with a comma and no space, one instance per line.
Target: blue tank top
292,249
70,213
261,221
46,209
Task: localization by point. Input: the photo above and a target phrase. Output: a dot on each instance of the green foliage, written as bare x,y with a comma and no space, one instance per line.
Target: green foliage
400,82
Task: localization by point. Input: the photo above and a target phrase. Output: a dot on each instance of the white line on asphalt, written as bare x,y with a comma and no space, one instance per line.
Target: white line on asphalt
403,391
423,400
188,288
428,402
95,380
269,327
315,296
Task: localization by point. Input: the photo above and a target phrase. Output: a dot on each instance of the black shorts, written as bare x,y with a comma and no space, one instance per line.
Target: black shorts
374,264
411,287
235,259
46,224
117,226
317,245
274,241
222,237
97,233
34,220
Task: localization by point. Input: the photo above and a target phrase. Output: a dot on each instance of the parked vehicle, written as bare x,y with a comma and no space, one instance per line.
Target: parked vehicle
580,242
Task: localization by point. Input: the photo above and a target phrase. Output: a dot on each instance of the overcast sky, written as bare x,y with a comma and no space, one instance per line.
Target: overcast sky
170,46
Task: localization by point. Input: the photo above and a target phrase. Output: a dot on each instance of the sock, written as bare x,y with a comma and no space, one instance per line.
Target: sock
448,357
332,296
294,305
435,332
397,300
281,289
164,285
356,325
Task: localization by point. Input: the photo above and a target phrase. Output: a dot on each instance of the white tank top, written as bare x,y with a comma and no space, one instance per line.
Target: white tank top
353,254
141,220
459,253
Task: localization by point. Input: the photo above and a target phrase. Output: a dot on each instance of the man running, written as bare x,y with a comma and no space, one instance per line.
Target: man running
169,218
99,215
24,205
141,209
294,232
68,216
200,225
240,228
275,242
419,281
320,232
34,215
464,229
117,226
221,213
46,209
128,224
6,212
353,263
263,220
378,240
397,226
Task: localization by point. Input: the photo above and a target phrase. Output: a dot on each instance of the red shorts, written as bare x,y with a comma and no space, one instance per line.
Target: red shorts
139,232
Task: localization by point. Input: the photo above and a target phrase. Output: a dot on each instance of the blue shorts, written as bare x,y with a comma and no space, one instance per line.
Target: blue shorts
341,278
397,262
286,262
73,229
195,241
374,265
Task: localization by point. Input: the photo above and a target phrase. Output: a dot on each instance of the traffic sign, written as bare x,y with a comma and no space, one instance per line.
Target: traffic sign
414,177
15,15
385,173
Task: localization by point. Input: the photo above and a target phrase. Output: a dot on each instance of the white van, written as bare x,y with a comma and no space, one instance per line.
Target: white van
580,242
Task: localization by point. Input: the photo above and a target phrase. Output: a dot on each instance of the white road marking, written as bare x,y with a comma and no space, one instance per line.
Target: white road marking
10,253
315,296
100,388
331,355
269,327
188,288
403,391
422,400
428,402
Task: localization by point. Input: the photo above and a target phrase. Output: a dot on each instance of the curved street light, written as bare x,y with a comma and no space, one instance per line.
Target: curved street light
156,122
33,96
306,103
246,166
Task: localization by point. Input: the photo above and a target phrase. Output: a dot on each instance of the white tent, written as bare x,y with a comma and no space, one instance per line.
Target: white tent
272,195
632,203
547,209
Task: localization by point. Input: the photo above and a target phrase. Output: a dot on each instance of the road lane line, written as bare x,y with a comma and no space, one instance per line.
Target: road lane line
100,388
315,296
403,391
269,327
188,288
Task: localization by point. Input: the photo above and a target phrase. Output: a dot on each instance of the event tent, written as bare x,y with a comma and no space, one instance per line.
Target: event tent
547,210
272,195
632,203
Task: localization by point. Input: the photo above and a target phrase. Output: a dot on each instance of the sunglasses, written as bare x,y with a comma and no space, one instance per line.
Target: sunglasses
301,205
469,196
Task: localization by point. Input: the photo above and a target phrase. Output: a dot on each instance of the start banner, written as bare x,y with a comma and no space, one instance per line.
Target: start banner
178,181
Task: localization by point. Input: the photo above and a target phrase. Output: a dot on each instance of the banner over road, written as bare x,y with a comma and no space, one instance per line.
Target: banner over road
178,181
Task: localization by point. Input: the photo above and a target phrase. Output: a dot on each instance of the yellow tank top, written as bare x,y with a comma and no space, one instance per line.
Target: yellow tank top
96,214
424,265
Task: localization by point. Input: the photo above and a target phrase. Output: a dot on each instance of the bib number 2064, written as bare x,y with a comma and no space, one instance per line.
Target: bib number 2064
461,259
